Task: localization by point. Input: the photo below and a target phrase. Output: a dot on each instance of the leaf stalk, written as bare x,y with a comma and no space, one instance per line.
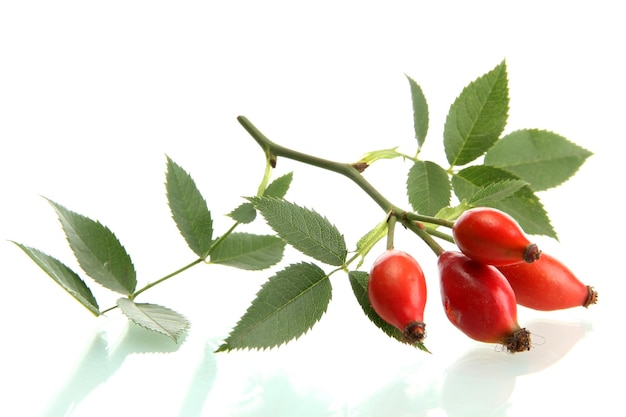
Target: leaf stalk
165,278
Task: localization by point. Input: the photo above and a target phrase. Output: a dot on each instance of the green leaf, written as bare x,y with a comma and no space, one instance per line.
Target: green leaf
420,112
544,159
452,213
285,308
98,251
189,209
304,229
248,251
155,317
359,281
477,117
495,192
367,242
64,276
523,205
373,156
428,187
279,187
245,213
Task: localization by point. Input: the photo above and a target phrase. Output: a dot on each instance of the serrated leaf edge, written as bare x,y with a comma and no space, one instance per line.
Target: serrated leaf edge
340,257
175,336
59,208
225,347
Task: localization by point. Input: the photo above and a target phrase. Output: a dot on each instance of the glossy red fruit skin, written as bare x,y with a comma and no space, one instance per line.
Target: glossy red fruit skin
397,292
480,302
492,237
547,285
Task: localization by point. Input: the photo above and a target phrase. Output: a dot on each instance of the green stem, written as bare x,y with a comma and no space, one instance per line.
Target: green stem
420,230
266,177
186,267
429,219
165,278
220,239
275,150
344,267
410,220
391,227
103,312
440,235
271,161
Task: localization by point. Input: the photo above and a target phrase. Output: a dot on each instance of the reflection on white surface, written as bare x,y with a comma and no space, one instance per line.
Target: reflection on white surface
480,382
200,385
101,360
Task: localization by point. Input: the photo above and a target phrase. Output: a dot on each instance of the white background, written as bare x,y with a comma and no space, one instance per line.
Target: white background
93,95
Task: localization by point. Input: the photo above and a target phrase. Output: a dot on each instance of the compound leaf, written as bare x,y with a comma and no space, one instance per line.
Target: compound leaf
285,308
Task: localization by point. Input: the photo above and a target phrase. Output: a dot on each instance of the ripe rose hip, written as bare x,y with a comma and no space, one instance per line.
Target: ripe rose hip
397,292
548,284
493,237
479,301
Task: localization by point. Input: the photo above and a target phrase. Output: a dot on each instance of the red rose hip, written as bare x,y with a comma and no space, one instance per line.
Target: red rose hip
548,284
397,292
480,302
493,237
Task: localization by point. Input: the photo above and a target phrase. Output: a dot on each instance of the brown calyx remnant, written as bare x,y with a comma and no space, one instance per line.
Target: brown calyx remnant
592,297
360,166
518,341
414,332
532,253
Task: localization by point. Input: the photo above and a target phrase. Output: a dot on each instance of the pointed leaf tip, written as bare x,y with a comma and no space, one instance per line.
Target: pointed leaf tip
64,276
249,251
98,251
542,158
472,182
477,117
286,307
428,187
358,282
304,229
420,112
189,209
155,318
